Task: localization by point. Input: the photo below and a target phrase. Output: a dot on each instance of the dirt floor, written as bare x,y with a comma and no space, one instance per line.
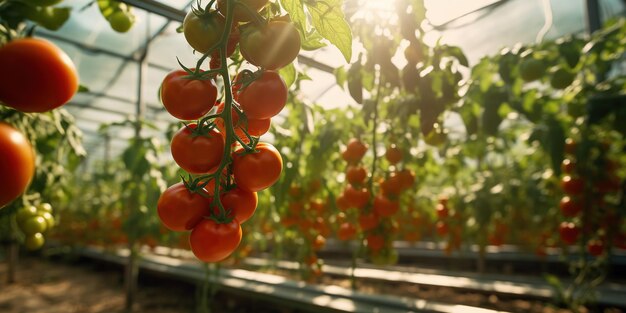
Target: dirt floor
68,286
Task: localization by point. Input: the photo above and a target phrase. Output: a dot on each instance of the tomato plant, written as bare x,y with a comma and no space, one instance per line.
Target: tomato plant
34,62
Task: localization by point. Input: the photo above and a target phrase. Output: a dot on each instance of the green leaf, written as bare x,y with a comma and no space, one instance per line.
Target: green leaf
328,18
341,76
83,88
312,41
296,13
457,53
288,73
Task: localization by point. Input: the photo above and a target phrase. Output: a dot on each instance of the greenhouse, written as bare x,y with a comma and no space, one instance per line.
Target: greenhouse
312,156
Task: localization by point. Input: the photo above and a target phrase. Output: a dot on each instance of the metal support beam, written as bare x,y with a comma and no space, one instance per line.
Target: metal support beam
157,8
594,20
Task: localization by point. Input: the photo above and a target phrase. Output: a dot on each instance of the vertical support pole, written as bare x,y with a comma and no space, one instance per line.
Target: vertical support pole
131,272
12,255
594,21
107,152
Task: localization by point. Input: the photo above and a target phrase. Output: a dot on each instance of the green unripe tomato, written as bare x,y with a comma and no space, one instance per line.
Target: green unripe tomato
25,213
121,21
203,32
44,207
561,78
34,241
531,69
50,222
34,225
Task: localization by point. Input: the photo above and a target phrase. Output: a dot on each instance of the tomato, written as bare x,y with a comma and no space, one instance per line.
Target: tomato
319,242
50,222
25,213
318,206
257,170
203,32
393,185
385,207
568,166
180,209
121,21
569,207
346,231
375,242
561,78
34,241
254,127
356,197
442,228
407,178
242,14
442,211
569,232
368,221
531,69
186,98
36,75
44,207
570,146
343,203
572,185
272,46
197,154
33,225
242,203
595,247
231,45
263,98
413,52
17,163
393,154
356,175
355,150
213,242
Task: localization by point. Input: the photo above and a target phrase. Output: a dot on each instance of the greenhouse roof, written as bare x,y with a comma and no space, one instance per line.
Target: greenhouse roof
109,62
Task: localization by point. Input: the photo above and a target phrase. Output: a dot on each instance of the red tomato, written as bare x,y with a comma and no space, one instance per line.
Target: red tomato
407,178
343,203
595,247
375,242
385,207
186,98
263,98
368,221
346,231
356,175
272,46
36,75
570,146
568,166
197,154
393,154
573,185
254,127
319,242
356,197
569,232
242,203
257,170
570,207
393,185
213,242
354,151
442,228
180,209
17,164
442,211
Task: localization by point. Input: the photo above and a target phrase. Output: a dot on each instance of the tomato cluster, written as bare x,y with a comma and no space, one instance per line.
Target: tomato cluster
34,221
449,224
308,214
221,148
590,185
